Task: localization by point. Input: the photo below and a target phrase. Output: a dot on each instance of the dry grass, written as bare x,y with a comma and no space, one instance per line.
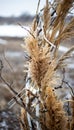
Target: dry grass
45,111
44,63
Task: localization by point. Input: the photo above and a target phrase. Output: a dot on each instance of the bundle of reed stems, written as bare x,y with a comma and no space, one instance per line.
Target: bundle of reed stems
41,109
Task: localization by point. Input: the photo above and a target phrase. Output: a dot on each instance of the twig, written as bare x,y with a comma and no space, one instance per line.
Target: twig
8,62
9,86
69,86
20,95
37,7
22,104
62,80
26,30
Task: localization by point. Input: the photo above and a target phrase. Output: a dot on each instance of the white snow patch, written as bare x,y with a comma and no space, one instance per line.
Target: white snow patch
12,31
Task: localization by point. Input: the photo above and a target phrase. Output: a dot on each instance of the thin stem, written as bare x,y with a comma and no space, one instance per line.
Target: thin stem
37,7
9,86
26,30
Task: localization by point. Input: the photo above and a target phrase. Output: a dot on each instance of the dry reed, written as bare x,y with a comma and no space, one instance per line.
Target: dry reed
44,64
41,44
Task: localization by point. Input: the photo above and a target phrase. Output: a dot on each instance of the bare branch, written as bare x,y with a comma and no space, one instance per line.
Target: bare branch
26,30
8,62
9,86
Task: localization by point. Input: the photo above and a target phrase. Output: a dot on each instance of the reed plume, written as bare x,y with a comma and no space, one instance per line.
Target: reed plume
46,17
62,10
67,32
55,118
47,33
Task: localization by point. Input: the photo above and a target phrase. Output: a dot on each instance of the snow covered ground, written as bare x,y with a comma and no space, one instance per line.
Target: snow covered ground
12,31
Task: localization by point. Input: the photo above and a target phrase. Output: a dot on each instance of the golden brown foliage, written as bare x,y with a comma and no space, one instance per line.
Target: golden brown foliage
62,10
42,44
55,118
47,17
67,32
24,119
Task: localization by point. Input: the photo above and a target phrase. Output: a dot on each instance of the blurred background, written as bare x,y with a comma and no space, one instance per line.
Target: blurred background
11,38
